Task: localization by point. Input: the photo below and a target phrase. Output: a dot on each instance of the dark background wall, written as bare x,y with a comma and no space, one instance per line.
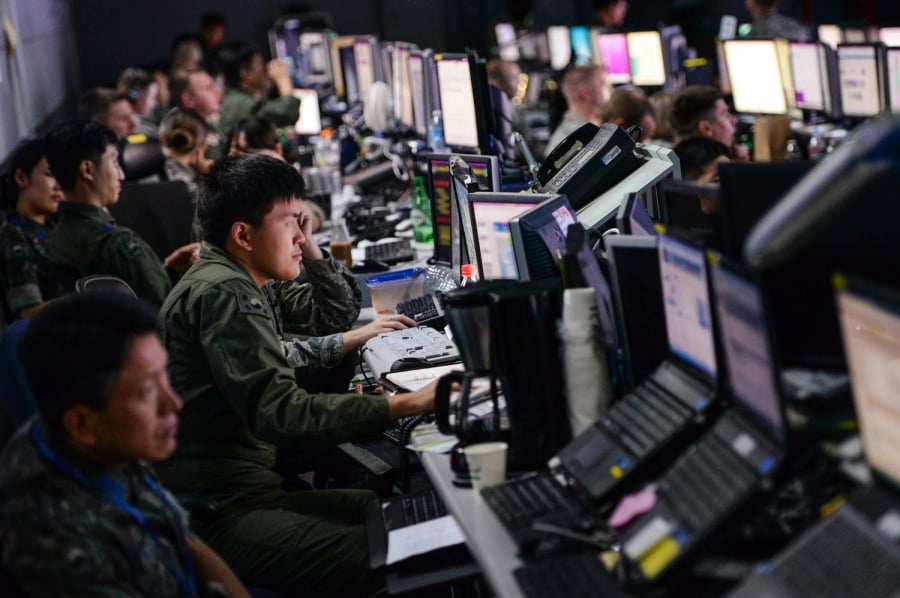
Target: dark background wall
114,34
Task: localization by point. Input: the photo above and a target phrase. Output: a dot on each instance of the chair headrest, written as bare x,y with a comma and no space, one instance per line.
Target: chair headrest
141,156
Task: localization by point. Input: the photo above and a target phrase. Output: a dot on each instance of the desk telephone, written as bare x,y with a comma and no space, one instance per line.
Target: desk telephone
587,163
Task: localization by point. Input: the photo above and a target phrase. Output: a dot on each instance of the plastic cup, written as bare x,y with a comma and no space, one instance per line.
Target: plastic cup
487,464
579,306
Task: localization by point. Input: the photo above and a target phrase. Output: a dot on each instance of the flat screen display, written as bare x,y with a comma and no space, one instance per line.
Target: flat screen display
754,72
689,328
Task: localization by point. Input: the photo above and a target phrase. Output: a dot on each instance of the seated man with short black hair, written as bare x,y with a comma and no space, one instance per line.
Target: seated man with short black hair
700,158
84,158
236,371
81,512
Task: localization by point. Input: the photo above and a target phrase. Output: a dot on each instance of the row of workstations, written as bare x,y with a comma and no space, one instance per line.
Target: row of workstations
853,81
733,372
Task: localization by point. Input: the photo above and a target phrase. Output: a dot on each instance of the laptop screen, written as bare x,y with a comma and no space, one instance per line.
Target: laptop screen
748,353
871,332
682,270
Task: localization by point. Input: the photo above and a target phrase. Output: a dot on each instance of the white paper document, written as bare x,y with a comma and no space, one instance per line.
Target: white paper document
423,537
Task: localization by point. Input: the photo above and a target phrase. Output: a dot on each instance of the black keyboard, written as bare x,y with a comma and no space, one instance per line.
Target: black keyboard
520,503
423,506
841,560
396,431
645,419
573,575
390,252
425,310
706,484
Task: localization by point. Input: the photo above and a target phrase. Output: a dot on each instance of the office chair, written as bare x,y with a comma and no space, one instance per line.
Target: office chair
141,157
161,213
103,283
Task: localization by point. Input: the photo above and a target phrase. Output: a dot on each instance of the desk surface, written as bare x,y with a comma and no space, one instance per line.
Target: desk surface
487,539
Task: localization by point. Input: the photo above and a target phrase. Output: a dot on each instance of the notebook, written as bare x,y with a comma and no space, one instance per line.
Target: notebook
642,432
737,458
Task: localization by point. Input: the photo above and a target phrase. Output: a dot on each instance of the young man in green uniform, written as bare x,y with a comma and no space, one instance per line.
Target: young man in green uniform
84,158
235,370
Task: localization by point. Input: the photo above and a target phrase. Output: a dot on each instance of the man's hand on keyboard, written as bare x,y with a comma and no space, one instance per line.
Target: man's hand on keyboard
383,323
412,403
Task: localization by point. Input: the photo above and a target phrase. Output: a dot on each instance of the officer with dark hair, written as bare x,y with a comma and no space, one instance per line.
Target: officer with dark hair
84,158
81,512
235,367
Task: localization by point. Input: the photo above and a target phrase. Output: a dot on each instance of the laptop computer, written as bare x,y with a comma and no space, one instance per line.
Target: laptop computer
737,458
642,432
855,551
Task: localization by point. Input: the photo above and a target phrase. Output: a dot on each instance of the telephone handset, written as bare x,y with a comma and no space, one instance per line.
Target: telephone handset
588,163
565,151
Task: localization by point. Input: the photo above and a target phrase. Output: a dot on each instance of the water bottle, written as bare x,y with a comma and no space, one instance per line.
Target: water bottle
468,275
421,213
436,131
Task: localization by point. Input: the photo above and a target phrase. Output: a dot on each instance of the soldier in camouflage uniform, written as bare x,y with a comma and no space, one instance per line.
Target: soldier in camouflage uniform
81,512
30,196
84,159
235,370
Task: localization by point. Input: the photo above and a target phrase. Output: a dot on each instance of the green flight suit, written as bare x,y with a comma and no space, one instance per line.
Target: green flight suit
227,360
87,241
237,104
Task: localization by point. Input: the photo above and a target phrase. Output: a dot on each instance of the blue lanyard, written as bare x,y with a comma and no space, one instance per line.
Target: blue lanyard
114,493
40,232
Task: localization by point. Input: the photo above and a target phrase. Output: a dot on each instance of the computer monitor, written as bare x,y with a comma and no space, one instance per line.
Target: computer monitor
401,86
313,58
747,191
366,56
506,41
580,38
539,239
841,215
809,73
463,130
337,63
889,36
418,93
633,218
637,298
753,377
754,71
689,327
645,57
348,73
560,47
447,251
861,79
893,78
309,120
675,50
870,328
612,49
830,35
491,214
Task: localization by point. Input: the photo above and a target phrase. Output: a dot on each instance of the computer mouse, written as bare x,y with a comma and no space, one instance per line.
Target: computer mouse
409,363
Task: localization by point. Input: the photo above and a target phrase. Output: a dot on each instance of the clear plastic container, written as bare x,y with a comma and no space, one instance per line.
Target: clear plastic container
391,288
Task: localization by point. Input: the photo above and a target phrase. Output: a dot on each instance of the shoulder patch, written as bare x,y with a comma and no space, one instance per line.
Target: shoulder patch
250,304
